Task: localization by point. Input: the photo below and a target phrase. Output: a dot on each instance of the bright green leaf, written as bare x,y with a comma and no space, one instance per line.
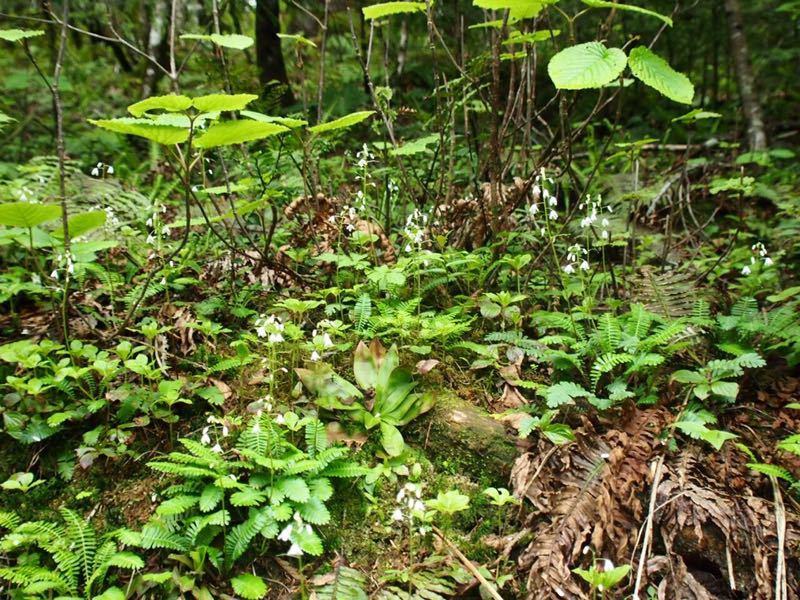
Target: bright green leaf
161,134
385,9
249,586
14,35
628,7
656,72
585,66
222,102
27,214
171,103
343,122
236,132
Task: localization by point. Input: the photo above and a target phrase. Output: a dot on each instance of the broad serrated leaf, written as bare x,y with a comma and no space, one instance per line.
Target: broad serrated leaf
628,7
161,134
249,586
82,224
654,71
586,66
14,35
222,102
169,103
237,132
386,9
295,489
27,214
342,122
518,9
229,40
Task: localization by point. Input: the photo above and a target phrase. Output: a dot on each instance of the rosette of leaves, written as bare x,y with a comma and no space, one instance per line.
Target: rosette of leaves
384,399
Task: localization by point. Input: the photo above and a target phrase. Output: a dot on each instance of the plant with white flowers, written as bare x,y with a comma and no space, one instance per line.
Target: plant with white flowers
266,486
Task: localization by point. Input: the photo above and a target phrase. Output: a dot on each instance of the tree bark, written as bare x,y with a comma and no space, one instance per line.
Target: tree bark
269,56
751,105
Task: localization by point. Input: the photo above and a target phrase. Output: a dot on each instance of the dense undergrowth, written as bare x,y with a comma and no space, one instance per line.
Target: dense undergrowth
458,332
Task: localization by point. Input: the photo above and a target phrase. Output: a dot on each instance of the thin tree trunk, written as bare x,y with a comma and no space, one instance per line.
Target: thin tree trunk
751,106
269,56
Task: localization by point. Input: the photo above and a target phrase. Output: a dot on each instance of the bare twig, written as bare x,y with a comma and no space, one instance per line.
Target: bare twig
488,586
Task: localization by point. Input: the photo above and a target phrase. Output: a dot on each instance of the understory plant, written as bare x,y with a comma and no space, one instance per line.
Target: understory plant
271,485
386,399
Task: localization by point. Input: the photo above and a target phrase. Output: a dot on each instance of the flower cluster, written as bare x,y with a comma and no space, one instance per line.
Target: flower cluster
154,224
575,252
364,157
414,231
759,252
297,526
320,341
205,437
270,327
63,261
541,192
409,504
594,208
102,169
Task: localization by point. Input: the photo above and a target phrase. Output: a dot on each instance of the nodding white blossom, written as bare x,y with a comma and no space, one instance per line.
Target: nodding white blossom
414,231
607,565
315,356
95,172
217,448
286,534
364,157
409,501
759,251
553,216
225,430
270,327
585,550
110,170
295,550
280,420
205,439
574,253
326,341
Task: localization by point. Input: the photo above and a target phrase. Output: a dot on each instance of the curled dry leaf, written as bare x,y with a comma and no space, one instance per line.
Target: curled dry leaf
426,366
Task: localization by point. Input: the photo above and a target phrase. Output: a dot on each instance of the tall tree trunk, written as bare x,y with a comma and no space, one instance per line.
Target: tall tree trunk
269,56
751,106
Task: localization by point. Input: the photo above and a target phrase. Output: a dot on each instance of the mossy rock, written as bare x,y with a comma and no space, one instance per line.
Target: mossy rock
459,437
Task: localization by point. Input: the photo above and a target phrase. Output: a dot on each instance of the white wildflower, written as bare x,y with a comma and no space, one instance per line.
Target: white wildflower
746,270
295,550
205,439
217,448
286,534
